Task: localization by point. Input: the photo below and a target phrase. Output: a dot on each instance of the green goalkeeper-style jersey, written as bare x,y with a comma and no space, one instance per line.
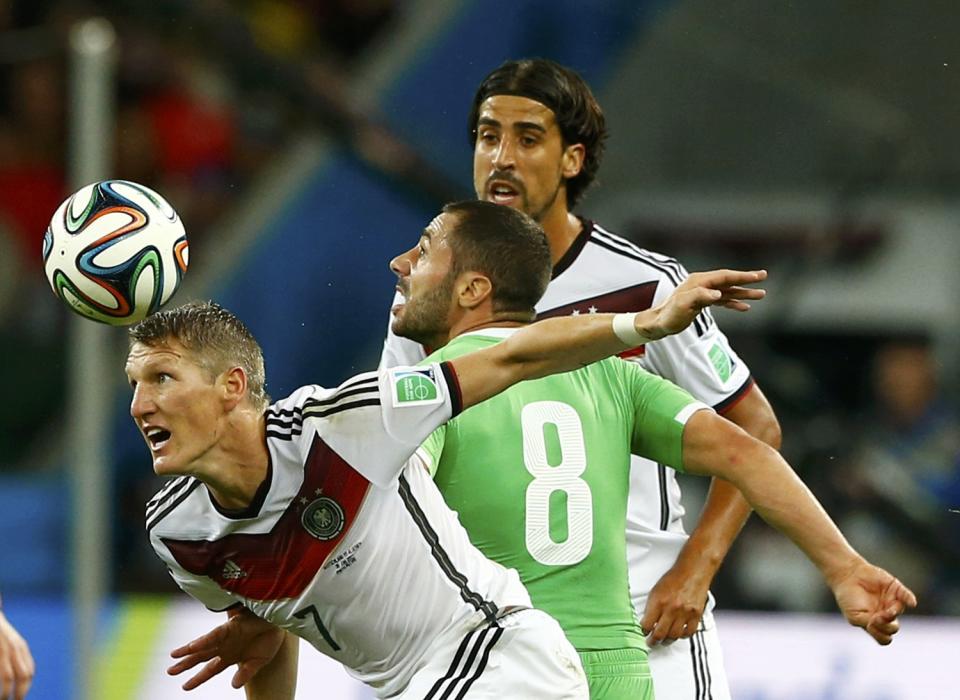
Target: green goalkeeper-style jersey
539,476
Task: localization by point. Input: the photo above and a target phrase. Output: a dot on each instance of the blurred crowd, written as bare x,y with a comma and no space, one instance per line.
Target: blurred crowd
189,124
873,428
867,421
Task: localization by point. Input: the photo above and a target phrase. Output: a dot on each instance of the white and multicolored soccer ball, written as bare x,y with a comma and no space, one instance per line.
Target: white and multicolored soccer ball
115,252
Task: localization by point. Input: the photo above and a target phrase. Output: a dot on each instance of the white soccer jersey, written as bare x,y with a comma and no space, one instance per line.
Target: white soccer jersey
348,543
604,273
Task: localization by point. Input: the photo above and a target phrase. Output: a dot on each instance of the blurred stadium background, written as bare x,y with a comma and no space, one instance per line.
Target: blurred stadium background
305,142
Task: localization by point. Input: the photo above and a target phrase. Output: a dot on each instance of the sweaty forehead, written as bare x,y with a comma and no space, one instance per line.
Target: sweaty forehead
509,109
141,354
439,227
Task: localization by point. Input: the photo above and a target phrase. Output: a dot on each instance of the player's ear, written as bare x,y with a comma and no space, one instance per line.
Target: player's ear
572,160
473,289
233,386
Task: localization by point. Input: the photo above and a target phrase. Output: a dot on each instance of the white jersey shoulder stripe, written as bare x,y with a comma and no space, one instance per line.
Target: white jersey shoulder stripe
628,245
289,428
352,388
169,489
173,503
287,423
668,266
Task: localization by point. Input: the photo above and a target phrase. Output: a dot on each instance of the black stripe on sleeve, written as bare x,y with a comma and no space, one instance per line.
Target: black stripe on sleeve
453,383
316,412
294,424
280,414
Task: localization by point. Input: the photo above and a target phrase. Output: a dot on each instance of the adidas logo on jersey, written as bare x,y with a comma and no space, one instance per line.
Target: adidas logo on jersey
231,571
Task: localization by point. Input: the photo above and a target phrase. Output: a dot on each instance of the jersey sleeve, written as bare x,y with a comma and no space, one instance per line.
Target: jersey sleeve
662,410
699,358
412,402
399,351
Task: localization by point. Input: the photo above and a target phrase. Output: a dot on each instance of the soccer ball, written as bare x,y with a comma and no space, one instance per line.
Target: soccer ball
115,252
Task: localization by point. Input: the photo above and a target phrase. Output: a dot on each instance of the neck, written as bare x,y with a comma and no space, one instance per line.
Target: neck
234,474
562,229
477,320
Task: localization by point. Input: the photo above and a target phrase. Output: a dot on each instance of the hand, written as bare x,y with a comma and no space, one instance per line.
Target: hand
244,639
700,290
675,606
16,663
871,598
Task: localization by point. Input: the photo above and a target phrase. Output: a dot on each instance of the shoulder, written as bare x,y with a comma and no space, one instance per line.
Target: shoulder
623,376
284,419
169,506
632,253
613,257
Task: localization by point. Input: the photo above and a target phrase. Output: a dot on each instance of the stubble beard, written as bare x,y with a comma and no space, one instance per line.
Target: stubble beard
424,319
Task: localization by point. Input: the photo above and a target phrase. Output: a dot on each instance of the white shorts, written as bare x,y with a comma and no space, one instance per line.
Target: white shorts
690,669
522,655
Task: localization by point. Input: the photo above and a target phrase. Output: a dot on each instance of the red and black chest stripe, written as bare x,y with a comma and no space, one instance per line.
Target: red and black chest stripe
282,562
636,298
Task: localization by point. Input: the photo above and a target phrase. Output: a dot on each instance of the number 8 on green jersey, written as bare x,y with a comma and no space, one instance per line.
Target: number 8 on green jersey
539,476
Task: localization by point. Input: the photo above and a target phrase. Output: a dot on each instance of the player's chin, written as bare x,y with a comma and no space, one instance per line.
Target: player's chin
163,465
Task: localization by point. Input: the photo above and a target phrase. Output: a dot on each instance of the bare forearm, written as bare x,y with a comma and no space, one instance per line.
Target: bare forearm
546,347
770,486
568,343
563,344
725,510
724,513
278,679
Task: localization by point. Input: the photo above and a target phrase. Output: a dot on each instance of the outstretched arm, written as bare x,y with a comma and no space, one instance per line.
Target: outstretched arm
266,657
676,602
563,344
868,596
16,662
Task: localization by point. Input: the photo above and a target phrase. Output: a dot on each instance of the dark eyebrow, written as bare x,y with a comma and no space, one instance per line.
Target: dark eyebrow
487,121
524,126
517,126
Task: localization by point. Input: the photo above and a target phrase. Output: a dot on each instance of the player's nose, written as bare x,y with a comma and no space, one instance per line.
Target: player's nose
141,404
505,155
401,264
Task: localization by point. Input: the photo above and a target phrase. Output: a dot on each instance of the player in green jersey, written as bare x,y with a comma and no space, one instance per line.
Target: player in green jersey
539,474
539,479
553,464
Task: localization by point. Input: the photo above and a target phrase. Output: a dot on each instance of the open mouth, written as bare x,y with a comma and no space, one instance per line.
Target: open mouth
157,437
400,300
502,193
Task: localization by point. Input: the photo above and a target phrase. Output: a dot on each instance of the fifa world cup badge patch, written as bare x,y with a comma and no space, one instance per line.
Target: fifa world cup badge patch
721,362
414,387
323,518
